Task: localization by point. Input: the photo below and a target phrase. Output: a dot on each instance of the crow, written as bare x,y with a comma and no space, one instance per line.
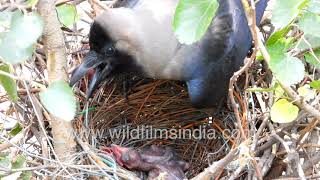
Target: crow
137,37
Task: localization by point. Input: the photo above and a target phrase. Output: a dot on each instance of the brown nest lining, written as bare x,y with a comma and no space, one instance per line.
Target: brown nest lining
152,109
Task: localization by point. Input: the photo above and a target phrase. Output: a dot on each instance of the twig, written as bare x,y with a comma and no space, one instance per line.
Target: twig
15,140
215,169
101,165
293,156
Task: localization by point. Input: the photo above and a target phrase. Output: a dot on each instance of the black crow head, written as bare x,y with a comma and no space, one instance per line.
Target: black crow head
136,40
111,53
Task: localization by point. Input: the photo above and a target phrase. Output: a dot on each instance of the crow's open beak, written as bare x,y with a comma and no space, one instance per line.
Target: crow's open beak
91,61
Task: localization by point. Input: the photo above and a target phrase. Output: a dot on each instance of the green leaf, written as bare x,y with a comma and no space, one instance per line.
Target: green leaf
287,69
192,19
19,162
278,35
26,175
25,37
5,19
311,59
315,84
59,100
16,129
306,92
17,45
283,111
31,3
4,160
314,6
278,91
259,56
67,14
285,11
280,47
14,54
310,24
8,83
314,41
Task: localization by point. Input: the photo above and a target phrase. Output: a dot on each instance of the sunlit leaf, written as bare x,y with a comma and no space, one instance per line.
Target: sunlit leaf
278,35
67,14
309,23
17,45
32,2
285,11
284,66
4,160
287,69
280,46
314,6
278,91
192,19
315,84
8,83
306,92
5,19
59,100
313,42
283,111
19,162
14,54
26,28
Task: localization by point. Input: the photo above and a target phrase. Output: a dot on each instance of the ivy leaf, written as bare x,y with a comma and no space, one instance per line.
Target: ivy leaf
5,19
284,66
4,160
8,83
26,36
26,175
14,54
280,46
312,60
19,162
17,45
306,92
67,14
59,100
278,91
314,6
16,129
315,84
192,19
283,111
287,69
310,23
314,41
31,3
278,35
285,11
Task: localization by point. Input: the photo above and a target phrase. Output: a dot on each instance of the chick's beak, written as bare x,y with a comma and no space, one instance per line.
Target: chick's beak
118,152
91,61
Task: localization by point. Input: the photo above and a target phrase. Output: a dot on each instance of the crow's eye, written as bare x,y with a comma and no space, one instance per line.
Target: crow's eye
109,51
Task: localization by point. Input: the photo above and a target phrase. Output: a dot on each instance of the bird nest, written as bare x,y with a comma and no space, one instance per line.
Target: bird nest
157,112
